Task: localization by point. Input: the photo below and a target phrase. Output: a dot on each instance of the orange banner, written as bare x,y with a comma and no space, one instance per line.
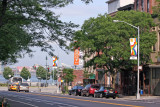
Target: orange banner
76,57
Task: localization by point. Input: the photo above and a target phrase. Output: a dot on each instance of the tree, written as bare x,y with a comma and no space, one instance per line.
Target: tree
25,74
32,23
110,41
87,75
156,9
68,75
41,72
8,73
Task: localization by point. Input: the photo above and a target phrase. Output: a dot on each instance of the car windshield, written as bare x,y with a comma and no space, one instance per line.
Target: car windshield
94,86
80,87
108,88
17,79
24,84
13,84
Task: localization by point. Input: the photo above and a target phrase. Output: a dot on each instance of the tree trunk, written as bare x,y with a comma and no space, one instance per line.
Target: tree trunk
113,80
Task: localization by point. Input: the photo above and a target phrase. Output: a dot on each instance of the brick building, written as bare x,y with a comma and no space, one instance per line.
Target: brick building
79,77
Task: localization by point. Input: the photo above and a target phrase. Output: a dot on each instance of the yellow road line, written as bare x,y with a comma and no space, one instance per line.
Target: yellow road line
86,100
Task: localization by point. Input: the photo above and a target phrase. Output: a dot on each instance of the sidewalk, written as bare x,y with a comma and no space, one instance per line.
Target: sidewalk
49,89
144,97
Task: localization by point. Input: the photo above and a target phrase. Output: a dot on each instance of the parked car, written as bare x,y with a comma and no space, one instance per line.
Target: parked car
105,92
89,89
23,87
12,86
76,90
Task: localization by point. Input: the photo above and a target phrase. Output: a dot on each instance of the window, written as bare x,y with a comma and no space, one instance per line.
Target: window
142,5
137,4
154,48
147,5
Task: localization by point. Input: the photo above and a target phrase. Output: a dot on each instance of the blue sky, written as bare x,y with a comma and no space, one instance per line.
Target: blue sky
77,13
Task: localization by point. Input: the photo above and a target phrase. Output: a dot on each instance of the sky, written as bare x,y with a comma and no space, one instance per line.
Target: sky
76,13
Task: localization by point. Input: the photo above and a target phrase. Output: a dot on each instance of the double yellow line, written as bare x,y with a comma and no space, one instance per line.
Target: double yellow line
86,100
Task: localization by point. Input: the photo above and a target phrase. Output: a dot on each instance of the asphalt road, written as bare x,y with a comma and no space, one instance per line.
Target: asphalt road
23,99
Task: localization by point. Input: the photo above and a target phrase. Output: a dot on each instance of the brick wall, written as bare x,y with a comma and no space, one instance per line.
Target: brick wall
79,77
151,4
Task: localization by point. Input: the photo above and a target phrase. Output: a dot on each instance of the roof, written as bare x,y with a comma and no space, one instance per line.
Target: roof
110,1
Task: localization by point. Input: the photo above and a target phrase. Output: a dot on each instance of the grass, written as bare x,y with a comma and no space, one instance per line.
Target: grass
3,84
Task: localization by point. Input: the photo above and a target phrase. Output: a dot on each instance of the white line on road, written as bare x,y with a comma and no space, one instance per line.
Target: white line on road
23,103
40,100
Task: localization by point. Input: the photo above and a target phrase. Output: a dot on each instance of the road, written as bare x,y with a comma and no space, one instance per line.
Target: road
23,99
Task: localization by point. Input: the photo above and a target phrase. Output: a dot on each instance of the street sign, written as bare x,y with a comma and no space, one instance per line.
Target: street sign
135,68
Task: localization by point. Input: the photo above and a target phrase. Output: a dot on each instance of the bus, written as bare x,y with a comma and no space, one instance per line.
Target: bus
13,82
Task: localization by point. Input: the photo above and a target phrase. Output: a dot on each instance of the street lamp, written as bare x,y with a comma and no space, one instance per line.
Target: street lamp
39,78
46,71
138,95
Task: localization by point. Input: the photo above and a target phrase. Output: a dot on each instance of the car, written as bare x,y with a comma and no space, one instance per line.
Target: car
89,89
12,87
23,87
76,90
105,92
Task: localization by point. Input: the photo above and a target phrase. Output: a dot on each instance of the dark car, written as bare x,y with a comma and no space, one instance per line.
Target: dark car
89,89
23,87
105,92
76,90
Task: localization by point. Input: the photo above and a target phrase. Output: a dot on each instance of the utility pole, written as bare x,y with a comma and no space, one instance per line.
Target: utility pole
46,71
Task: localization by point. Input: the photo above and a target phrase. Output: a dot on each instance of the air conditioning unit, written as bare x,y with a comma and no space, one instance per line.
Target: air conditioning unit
153,28
158,59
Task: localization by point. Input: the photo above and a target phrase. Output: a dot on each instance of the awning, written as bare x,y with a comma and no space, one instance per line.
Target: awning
92,76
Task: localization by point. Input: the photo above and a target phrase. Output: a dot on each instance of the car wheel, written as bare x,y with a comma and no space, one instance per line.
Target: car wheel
101,95
87,94
75,94
114,97
81,94
69,93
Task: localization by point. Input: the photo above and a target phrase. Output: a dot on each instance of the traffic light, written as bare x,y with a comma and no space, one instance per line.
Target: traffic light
48,69
34,67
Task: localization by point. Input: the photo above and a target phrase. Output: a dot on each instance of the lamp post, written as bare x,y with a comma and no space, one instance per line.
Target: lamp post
46,71
138,95
39,78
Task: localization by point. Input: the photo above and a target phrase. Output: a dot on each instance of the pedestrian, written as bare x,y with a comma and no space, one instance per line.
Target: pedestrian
59,87
63,89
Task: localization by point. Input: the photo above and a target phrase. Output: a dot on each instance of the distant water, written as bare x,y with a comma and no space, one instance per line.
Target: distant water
33,79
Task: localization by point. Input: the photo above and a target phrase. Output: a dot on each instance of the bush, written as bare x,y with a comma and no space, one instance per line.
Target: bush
3,84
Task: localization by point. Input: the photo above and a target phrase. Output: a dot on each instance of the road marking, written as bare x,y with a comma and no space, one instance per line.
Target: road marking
23,103
87,100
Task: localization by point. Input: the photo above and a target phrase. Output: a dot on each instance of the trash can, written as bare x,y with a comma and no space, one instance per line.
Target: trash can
141,92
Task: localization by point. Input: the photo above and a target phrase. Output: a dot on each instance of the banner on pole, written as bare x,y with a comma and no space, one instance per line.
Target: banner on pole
55,61
76,56
133,45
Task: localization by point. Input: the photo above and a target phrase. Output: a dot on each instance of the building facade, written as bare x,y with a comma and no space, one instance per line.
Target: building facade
150,76
117,5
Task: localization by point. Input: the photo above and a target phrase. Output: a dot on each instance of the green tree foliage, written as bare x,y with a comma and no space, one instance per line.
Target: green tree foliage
68,75
25,74
108,42
87,75
41,72
7,72
156,9
32,23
